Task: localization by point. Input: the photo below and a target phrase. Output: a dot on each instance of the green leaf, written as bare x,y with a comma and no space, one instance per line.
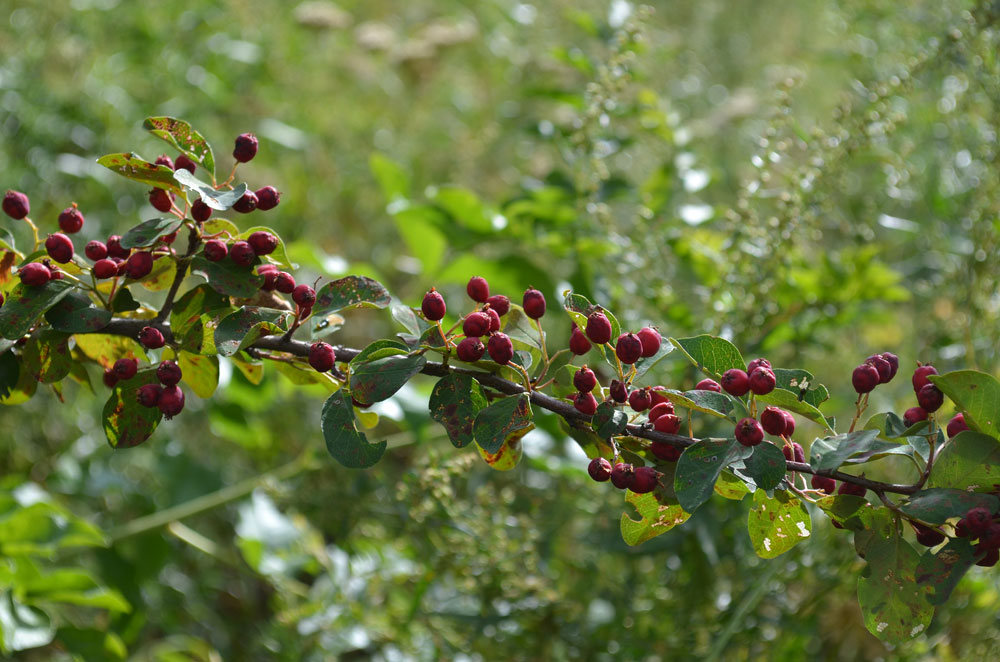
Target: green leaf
227,277
409,319
349,292
20,385
845,509
455,402
721,405
126,422
797,381
76,313
219,200
378,379
609,421
22,626
520,327
106,349
777,524
713,355
25,304
46,356
10,373
730,486
201,373
246,326
700,466
766,465
578,307
829,453
938,572
180,134
789,401
343,441
380,349
134,167
506,419
658,512
189,308
969,461
42,529
936,505
89,644
124,301
71,586
161,277
418,226
147,232
975,393
464,207
644,365
392,179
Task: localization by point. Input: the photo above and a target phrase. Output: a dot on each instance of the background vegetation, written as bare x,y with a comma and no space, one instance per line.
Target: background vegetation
814,182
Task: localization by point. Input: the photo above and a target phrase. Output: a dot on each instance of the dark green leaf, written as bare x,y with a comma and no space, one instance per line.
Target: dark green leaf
970,460
609,421
219,200
124,301
829,453
708,402
347,446
845,509
134,167
348,292
10,373
520,327
797,381
147,232
975,393
126,422
700,466
46,356
25,304
777,524
939,572
578,307
455,402
507,418
227,277
713,355
936,505
246,326
378,379
380,349
766,465
76,313
409,319
180,134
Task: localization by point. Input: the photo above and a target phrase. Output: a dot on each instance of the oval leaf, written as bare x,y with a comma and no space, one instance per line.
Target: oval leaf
766,465
970,460
377,380
134,167
76,313
147,232
938,572
46,356
215,199
829,453
348,292
126,422
506,418
658,513
25,304
343,441
180,134
975,393
700,466
227,277
245,327
455,402
201,373
777,524
713,355
937,505
609,421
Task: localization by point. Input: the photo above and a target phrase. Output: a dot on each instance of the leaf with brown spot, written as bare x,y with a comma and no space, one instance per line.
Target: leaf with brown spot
776,525
134,167
379,379
658,511
182,135
509,454
939,572
76,313
147,232
455,402
126,422
26,304
348,292
502,420
227,277
106,349
246,326
46,356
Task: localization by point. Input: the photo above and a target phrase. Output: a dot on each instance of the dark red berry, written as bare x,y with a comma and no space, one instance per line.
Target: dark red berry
735,382
628,348
659,394
708,385
126,368
578,343
105,268
927,536
990,560
665,451
270,276
824,484
478,289
247,203
169,373
433,305
622,475
639,399
263,243
977,521
164,160
34,274
930,398
201,212
914,415
16,205
920,375
749,432
884,367
645,481
494,319
585,380
660,409
599,329
241,252
585,403
139,265
499,303
151,338
852,488
667,423
161,199
789,424
762,380
110,378
470,350
70,220
185,163
171,401
120,263
115,248
95,250
284,282
501,349
321,356
956,425
56,273
773,421
865,378
476,325
757,363
618,390
246,147
533,303
268,198
599,469
989,539
893,363
794,453
148,395
651,341
59,247
215,250
304,296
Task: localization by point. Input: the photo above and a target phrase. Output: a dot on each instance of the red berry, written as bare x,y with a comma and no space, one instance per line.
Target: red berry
151,338
757,363
95,250
930,398
202,212
247,203
618,390
794,453
956,424
989,539
651,341
185,163
120,264
927,536
215,250
825,484
990,560
585,403
321,356
268,198
914,415
139,265
494,319
708,385
977,521
851,488
789,424
865,378
599,469
622,475
884,368
585,380
59,247
56,273
578,343
246,147
660,409
645,481
749,432
241,253
735,382
478,289
171,401
148,395
433,305
773,421
628,348
70,220
164,160
893,363
599,329
533,303
115,248
34,274
270,277
920,375
639,399
499,303
284,282
304,296
470,350
161,200
476,324
762,380
110,378
667,423
16,205
263,243
665,451
105,268
169,373
126,368
501,349
659,394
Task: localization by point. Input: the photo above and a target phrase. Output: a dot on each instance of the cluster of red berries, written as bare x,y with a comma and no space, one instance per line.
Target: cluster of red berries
622,475
877,369
169,397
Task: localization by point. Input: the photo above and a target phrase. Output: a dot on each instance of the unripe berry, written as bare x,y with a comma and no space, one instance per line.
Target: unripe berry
105,268
151,338
956,424
164,160
645,481
304,296
708,385
169,373
930,398
851,488
34,274
148,395
433,305
665,451
533,303
628,348
736,382
59,247
161,200
95,250
246,147
667,423
171,401
920,375
762,380
476,324
772,420
284,282
618,390
651,341
321,356
494,319
115,248
622,475
499,303
470,350
215,250
585,403
789,424
247,203
126,368
184,163
927,536
914,415
201,212
825,484
501,349
884,368
757,363
599,329
639,399
16,205
749,432
263,243
110,379
578,343
478,289
268,198
599,469
139,265
893,363
660,409
70,220
242,253
865,378
585,380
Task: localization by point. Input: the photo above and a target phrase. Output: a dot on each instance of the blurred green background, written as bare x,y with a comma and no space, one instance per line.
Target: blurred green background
816,182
